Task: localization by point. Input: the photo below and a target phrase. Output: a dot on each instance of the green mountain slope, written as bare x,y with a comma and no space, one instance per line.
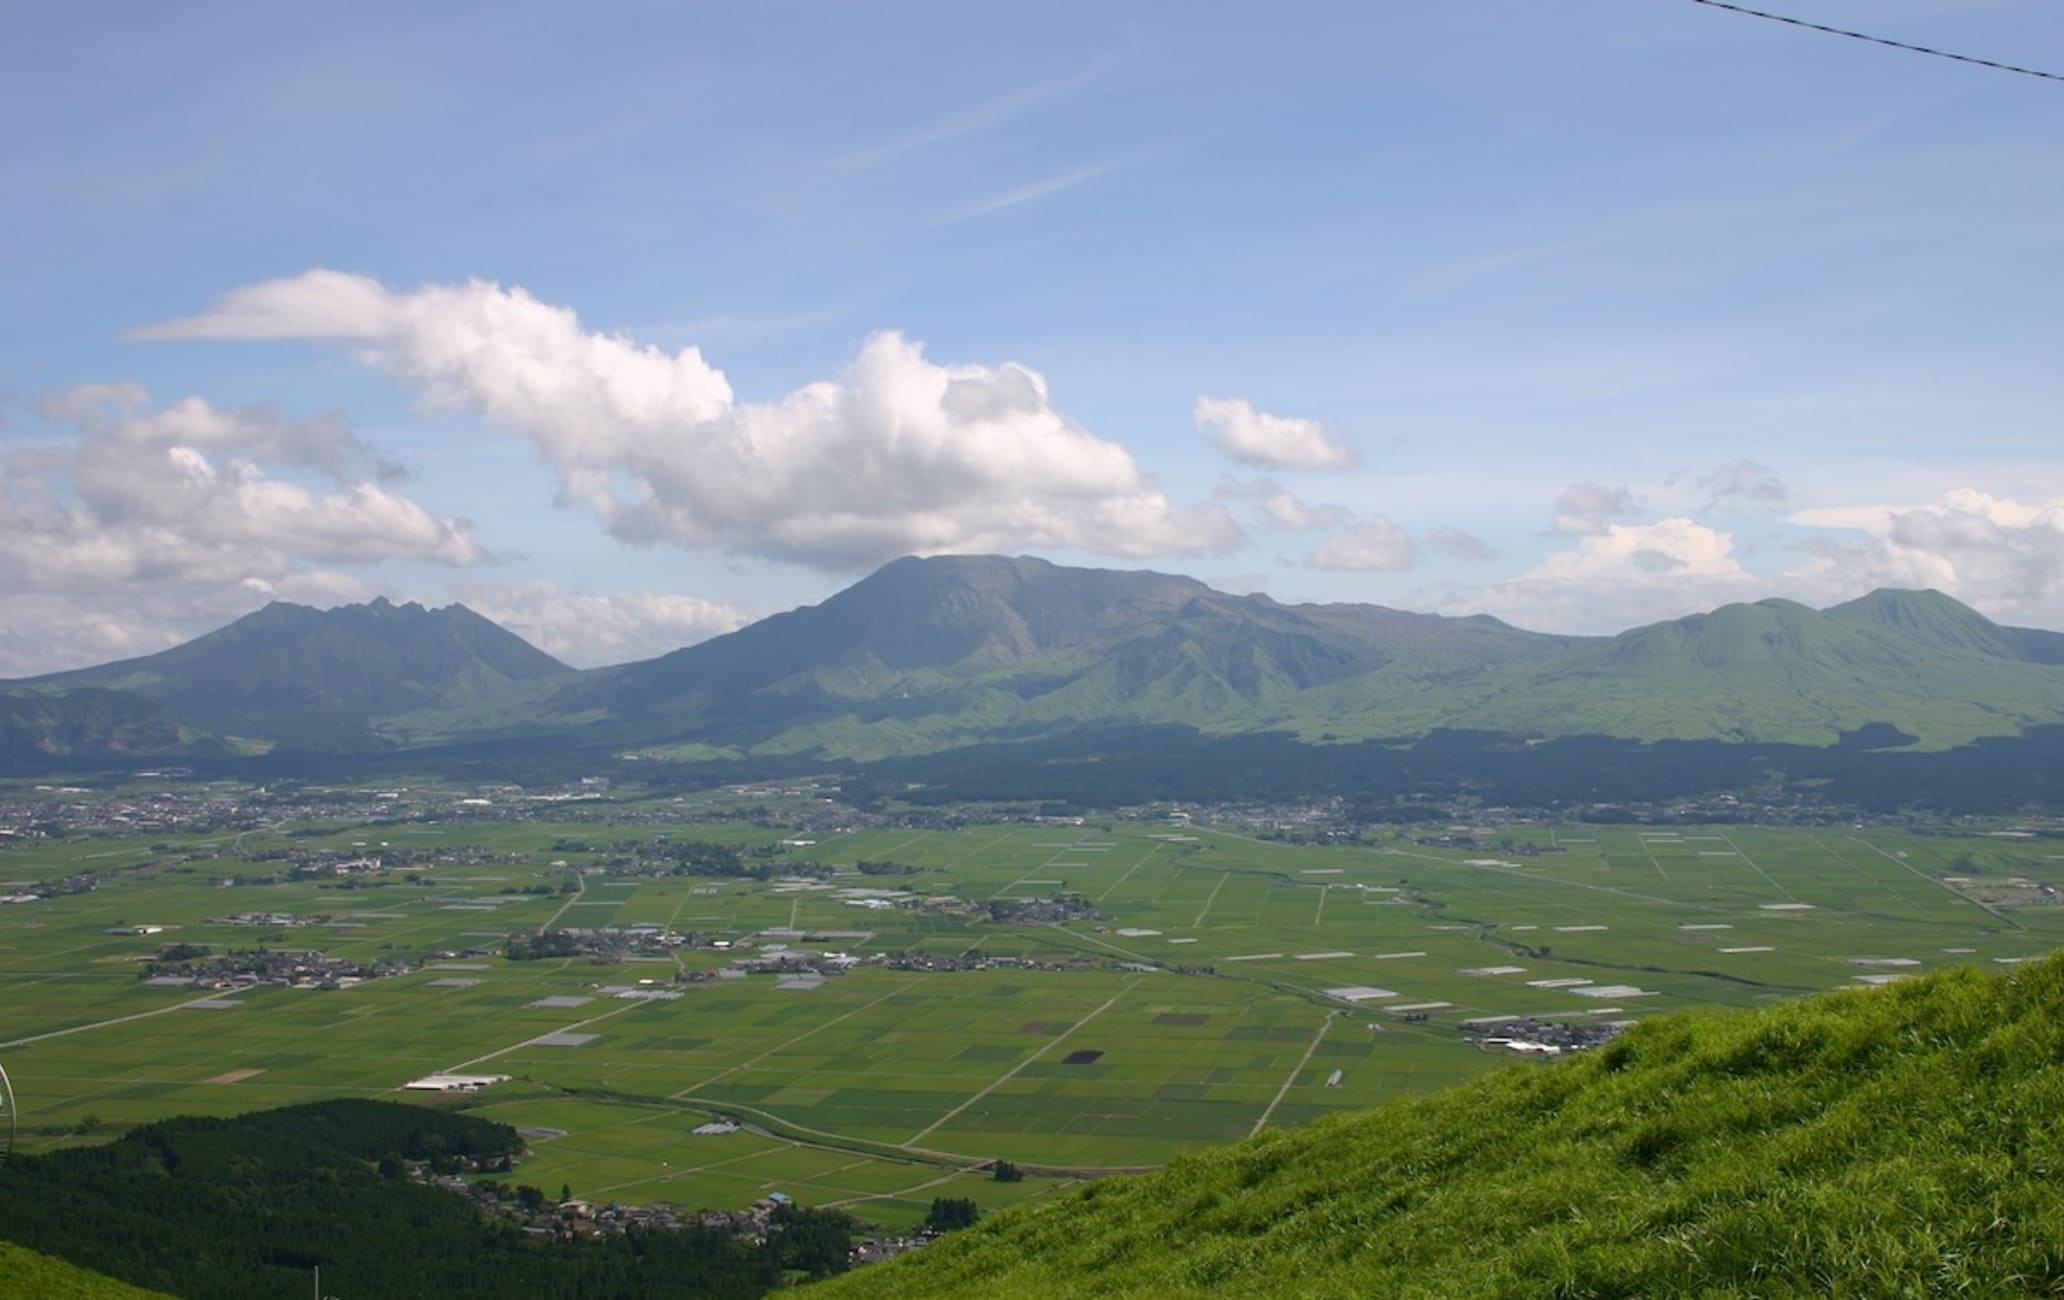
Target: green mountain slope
25,1273
1901,1141
931,653
1778,671
288,672
928,655
88,720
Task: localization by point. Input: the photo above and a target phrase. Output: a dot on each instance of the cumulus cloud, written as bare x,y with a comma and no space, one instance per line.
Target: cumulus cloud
1268,441
1625,575
1457,545
151,523
1584,509
897,455
2002,555
587,629
112,418
1376,545
1281,509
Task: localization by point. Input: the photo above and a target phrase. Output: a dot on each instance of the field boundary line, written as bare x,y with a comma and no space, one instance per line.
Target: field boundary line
118,1020
563,1029
1223,876
1743,854
1148,856
1939,884
784,1046
1545,879
1012,1073
580,890
1295,1070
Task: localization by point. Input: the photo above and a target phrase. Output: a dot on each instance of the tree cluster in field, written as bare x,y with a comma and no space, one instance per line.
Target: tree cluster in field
952,1212
868,867
702,858
249,1207
522,946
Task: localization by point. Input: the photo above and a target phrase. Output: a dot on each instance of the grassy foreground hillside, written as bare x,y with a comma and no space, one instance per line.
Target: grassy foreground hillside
1899,1141
25,1273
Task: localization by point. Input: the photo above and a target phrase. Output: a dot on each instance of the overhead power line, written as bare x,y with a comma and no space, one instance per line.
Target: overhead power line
1879,40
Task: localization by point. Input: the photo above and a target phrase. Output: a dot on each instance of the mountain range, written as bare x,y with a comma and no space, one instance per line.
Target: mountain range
926,655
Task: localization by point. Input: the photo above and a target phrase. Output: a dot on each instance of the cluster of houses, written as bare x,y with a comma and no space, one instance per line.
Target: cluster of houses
1038,911
189,966
573,1218
79,882
1525,1036
964,961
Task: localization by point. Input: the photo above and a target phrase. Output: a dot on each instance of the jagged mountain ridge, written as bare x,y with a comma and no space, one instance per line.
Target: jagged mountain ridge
291,672
929,654
967,644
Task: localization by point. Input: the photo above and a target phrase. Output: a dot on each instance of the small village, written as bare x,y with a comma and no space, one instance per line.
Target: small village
571,1218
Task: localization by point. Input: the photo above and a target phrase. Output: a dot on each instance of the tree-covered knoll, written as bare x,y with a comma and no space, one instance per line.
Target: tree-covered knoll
249,1207
1900,1141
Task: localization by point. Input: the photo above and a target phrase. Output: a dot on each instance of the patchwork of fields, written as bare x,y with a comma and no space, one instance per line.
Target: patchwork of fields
1225,983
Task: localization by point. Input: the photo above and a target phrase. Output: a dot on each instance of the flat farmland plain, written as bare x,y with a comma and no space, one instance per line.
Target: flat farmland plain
1224,983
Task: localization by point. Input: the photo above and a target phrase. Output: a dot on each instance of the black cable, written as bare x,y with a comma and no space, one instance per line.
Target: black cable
1879,40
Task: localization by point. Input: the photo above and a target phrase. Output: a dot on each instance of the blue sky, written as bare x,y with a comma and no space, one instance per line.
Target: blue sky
624,323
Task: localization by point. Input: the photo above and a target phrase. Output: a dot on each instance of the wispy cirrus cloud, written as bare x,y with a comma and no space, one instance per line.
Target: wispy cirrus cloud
1035,191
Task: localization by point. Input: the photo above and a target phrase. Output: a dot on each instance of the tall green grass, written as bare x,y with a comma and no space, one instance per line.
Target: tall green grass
27,1275
1900,1141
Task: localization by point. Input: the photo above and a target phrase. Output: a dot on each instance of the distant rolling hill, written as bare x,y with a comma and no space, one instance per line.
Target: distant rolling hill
928,655
1779,671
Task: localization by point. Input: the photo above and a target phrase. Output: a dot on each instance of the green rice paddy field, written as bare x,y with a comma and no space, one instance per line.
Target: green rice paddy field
880,1087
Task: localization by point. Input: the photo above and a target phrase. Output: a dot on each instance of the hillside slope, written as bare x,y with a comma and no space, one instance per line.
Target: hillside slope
1900,1141
88,720
25,1273
1776,670
931,653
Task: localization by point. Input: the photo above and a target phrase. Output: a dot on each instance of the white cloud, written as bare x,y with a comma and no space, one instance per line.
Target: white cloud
1458,545
898,455
1284,510
1583,508
1067,180
150,525
1626,575
1744,483
587,629
1269,441
2004,556
1373,545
